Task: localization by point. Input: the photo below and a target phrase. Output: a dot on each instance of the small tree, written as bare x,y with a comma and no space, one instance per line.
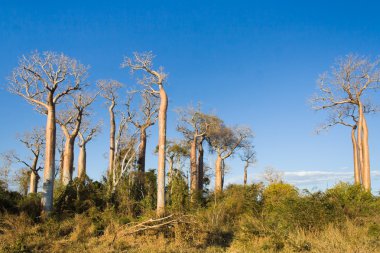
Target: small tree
193,125
224,141
86,134
70,122
142,122
248,156
34,141
44,81
109,90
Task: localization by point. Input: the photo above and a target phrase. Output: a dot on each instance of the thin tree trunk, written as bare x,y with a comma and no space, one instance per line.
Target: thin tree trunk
161,152
82,162
68,161
218,175
200,165
193,168
142,150
112,138
355,155
366,161
61,167
49,170
245,173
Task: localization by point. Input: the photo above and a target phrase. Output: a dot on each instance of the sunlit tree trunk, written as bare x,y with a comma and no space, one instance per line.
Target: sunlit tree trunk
355,155
33,182
161,152
82,162
366,163
218,174
49,170
68,161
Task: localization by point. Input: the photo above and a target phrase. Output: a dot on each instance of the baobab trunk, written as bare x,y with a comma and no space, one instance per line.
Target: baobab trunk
82,162
359,142
33,183
49,170
366,163
193,168
68,161
355,155
218,174
200,166
161,152
245,173
142,151
112,138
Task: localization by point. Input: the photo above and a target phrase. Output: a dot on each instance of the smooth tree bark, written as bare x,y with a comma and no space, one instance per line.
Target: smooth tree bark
70,122
109,91
349,85
144,62
148,117
86,134
44,80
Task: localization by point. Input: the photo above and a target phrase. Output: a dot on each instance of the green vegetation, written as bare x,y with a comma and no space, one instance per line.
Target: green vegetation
255,218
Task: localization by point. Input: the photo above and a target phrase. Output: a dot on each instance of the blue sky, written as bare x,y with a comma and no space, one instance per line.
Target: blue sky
251,62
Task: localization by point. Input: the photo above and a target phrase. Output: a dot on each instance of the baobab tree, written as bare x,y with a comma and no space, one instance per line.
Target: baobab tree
349,84
224,141
44,80
70,121
86,134
144,120
193,125
34,141
248,156
109,90
151,78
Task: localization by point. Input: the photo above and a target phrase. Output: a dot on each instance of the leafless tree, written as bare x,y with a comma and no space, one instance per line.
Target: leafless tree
151,78
224,141
125,153
44,80
34,141
193,125
349,84
248,156
109,90
149,110
70,121
86,134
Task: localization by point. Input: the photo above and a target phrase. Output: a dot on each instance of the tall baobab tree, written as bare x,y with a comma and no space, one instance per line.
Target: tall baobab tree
349,84
193,125
149,110
34,141
346,115
70,121
109,90
248,156
225,141
44,80
151,78
86,134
